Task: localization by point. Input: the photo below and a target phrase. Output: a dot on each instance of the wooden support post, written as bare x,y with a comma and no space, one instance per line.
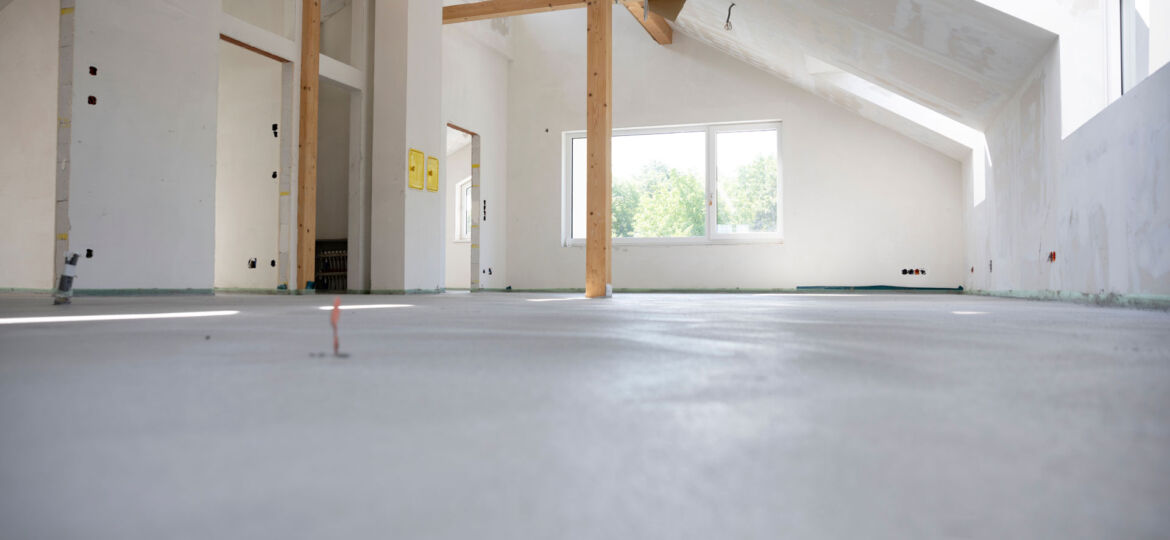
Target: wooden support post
307,149
599,120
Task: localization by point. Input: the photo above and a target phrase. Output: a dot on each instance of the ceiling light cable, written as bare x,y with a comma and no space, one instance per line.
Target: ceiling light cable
727,25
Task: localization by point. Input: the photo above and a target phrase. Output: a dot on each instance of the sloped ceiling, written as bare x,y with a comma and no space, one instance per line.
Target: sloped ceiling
959,58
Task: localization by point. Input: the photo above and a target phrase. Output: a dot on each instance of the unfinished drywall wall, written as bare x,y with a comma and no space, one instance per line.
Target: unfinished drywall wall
860,201
1006,233
247,183
1114,195
1098,199
458,257
142,187
476,65
28,142
407,227
333,162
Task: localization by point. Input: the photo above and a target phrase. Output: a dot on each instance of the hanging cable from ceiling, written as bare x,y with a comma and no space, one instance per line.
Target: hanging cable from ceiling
727,25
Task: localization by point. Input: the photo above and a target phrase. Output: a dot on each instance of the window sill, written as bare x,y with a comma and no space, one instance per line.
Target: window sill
663,242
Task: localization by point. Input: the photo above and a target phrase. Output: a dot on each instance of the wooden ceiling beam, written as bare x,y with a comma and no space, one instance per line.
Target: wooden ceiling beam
654,23
491,9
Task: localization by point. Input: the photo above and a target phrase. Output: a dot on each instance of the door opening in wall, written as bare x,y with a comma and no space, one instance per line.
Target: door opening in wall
248,169
333,187
462,194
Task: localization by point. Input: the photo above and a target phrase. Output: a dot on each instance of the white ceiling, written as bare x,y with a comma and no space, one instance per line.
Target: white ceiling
937,71
960,58
456,140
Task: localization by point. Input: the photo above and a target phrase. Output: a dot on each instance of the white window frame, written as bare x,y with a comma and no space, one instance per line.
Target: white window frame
711,187
461,211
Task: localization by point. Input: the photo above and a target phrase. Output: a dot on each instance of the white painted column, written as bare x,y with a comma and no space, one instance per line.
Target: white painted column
406,250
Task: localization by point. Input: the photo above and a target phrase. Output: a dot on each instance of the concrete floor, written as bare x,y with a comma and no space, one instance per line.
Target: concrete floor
643,416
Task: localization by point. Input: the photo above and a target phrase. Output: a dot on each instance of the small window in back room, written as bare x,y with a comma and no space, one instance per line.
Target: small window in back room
463,209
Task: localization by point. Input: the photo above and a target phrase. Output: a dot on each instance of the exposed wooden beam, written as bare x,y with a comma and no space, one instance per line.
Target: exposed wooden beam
599,135
307,148
491,9
257,50
657,26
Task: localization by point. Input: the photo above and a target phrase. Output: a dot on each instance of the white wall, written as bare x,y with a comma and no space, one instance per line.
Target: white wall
336,34
29,33
860,201
407,225
1098,198
333,163
276,16
458,260
476,97
247,197
1114,178
142,187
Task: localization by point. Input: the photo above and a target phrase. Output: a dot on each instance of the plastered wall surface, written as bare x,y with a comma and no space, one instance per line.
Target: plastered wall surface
860,202
1084,55
276,16
476,87
458,259
142,190
247,197
28,142
1100,198
333,163
336,30
406,224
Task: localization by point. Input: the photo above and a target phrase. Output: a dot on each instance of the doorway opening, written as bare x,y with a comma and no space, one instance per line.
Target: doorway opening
248,169
333,189
461,184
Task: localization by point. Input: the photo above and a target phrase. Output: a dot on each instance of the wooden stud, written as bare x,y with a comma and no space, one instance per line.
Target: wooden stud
599,122
654,23
492,9
307,148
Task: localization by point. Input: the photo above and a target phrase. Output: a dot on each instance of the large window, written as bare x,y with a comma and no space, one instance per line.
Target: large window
717,183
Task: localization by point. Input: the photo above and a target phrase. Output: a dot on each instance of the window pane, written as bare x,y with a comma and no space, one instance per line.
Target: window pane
747,178
579,182
658,184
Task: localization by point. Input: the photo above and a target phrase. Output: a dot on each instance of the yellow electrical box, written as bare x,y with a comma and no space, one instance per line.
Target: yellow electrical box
432,173
417,168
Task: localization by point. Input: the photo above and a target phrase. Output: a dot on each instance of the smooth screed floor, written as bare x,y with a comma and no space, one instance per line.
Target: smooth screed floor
543,416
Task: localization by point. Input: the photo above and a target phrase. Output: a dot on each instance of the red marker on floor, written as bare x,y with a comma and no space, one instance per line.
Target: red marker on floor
333,318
